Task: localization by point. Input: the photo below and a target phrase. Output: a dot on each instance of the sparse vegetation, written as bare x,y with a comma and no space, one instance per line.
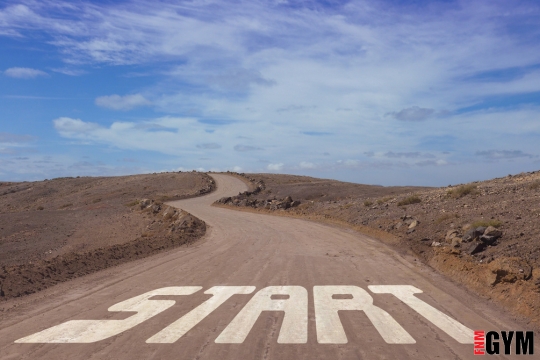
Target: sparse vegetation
368,203
446,216
65,206
96,201
486,223
132,203
383,200
410,200
40,208
463,190
535,185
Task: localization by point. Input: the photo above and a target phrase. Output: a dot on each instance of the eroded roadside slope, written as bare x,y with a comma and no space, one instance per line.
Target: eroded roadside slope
55,230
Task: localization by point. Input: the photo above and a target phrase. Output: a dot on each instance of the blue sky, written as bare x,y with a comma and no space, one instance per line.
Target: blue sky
379,92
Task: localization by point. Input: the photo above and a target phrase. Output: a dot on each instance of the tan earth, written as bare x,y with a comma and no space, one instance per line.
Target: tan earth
248,249
55,230
438,227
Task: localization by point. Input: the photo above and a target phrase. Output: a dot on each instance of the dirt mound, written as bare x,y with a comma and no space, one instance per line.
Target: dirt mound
88,224
485,235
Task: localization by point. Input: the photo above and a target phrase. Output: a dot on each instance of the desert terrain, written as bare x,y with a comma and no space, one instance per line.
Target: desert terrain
255,286
483,235
55,230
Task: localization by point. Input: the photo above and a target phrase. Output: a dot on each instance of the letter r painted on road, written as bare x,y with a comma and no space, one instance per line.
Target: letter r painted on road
295,323
89,331
329,328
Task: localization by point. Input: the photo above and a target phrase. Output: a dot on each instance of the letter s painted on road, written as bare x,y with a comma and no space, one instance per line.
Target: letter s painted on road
89,331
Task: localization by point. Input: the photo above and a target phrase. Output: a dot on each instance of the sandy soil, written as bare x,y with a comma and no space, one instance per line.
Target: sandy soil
255,250
433,227
55,230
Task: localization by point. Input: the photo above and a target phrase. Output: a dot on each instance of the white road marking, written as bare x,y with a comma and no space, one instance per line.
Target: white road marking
181,326
89,331
295,323
405,293
293,300
329,327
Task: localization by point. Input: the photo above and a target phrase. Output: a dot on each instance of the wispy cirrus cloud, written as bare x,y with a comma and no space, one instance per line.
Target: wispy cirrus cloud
246,148
413,113
209,146
301,80
503,154
124,103
24,73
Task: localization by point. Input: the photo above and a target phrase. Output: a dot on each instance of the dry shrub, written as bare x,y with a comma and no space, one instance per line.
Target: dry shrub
462,191
486,223
368,203
414,199
535,185
446,216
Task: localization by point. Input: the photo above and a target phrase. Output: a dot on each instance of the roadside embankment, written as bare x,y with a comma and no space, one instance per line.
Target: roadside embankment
56,230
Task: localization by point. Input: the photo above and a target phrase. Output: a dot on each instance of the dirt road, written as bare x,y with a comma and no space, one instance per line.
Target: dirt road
256,287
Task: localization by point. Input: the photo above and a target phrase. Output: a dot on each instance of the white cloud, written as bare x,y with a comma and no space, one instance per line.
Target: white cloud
237,169
273,73
127,102
503,154
275,167
307,165
73,127
414,113
24,73
69,72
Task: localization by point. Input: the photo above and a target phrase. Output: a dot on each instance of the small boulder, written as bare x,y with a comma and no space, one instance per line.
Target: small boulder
436,244
225,200
450,234
473,234
414,224
144,203
491,231
480,230
156,208
475,247
456,242
488,240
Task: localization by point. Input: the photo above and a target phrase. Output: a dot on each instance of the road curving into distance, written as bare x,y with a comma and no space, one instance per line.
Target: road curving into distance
256,287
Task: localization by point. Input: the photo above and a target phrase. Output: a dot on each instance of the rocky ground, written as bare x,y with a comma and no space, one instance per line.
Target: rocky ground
55,230
485,235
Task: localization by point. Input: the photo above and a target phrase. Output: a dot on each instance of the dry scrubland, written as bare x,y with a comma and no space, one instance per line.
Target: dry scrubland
54,230
484,235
